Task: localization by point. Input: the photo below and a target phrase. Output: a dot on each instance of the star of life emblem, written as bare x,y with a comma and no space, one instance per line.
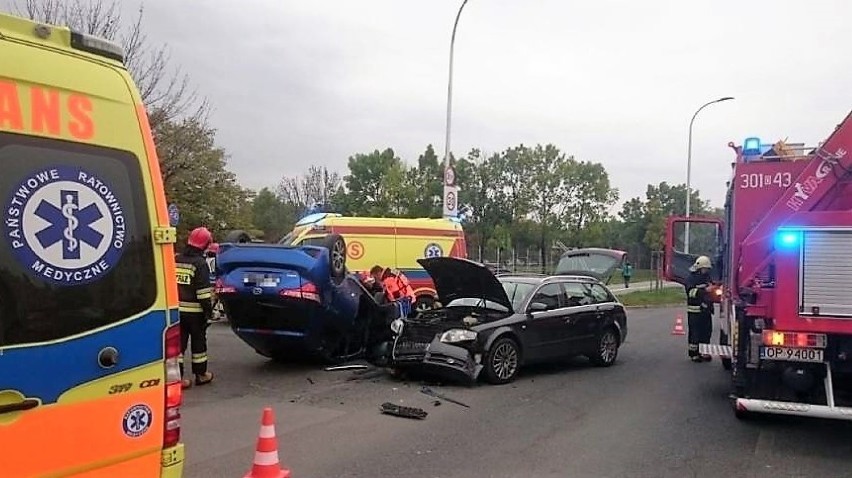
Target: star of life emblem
65,225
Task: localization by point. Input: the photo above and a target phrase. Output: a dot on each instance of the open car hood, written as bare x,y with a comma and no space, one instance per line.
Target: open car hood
456,278
595,262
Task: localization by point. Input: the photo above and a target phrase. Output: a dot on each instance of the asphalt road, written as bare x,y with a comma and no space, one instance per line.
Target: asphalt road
653,414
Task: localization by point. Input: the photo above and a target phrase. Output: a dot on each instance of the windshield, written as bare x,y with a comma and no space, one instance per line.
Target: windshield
77,252
599,264
288,239
517,292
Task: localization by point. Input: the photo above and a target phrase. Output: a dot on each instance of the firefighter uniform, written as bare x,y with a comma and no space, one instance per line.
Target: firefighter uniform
195,293
699,308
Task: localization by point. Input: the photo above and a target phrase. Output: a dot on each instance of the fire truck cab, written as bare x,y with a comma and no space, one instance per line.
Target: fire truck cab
782,256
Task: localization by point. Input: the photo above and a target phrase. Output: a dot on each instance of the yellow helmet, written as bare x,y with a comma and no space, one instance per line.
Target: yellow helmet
703,262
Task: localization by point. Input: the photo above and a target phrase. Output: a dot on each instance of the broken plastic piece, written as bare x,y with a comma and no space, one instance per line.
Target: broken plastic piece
432,393
338,368
402,411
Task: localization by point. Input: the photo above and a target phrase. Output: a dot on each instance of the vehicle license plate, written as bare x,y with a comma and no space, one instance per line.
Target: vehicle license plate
261,280
790,354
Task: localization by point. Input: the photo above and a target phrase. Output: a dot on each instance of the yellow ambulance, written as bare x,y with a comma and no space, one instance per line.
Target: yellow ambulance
89,334
388,242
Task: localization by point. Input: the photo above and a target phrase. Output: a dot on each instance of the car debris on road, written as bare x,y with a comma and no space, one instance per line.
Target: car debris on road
432,393
340,368
403,411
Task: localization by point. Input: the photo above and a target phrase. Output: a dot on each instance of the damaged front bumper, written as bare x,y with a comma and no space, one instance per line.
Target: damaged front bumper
454,362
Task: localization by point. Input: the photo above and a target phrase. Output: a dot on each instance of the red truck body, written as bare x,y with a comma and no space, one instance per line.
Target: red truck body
784,259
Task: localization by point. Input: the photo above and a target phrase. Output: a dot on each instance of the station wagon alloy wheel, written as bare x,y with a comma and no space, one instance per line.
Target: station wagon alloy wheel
503,361
607,349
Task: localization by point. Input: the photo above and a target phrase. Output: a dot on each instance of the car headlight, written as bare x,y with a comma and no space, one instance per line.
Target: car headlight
458,335
396,326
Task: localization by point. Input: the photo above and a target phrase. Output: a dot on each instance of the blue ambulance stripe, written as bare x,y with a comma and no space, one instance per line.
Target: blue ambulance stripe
48,370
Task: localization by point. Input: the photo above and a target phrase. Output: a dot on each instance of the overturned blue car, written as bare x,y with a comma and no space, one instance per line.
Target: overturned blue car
295,302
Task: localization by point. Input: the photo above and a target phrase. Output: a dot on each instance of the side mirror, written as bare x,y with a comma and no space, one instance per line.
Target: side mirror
538,307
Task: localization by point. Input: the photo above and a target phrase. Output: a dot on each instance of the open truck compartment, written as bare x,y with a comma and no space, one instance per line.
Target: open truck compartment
783,265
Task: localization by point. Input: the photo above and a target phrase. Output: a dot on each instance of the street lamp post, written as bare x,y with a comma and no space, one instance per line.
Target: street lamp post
447,185
689,167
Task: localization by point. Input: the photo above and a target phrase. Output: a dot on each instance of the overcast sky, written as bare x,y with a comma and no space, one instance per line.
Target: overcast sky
298,82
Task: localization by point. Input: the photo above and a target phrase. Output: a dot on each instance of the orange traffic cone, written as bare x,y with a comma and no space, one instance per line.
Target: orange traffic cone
678,326
266,464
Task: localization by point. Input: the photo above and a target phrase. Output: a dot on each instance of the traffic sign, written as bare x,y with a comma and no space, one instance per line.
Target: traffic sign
450,176
450,201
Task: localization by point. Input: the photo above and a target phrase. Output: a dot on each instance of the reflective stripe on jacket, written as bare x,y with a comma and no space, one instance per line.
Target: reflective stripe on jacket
397,286
193,279
697,298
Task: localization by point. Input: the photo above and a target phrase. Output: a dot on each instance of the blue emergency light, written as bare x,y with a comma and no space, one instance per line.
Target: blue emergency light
752,147
788,239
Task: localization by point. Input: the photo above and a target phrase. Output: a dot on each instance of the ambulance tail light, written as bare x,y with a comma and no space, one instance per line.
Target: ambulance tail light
174,394
307,291
775,338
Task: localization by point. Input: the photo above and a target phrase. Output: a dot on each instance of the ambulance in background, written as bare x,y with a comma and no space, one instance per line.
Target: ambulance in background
388,242
89,334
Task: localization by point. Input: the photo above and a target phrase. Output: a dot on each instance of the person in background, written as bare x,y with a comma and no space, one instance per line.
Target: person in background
195,293
397,287
627,273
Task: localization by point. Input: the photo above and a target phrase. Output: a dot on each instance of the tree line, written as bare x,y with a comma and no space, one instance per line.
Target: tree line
523,197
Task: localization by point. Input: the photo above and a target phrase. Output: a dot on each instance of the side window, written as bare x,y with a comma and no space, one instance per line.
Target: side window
550,295
577,294
599,294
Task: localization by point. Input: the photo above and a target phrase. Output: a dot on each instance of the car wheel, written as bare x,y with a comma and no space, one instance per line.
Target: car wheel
336,256
503,361
237,237
607,348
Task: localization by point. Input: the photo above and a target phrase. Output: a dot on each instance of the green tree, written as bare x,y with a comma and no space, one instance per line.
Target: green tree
481,212
366,185
589,197
397,193
548,189
197,180
426,182
272,215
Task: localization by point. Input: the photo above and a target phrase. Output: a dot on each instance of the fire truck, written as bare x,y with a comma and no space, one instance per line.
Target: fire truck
782,261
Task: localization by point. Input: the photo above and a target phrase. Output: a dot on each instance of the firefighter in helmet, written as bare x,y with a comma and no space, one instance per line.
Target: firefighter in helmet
195,293
699,308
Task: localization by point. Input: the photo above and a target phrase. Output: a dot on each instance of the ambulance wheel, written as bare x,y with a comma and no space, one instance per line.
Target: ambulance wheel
237,237
336,256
